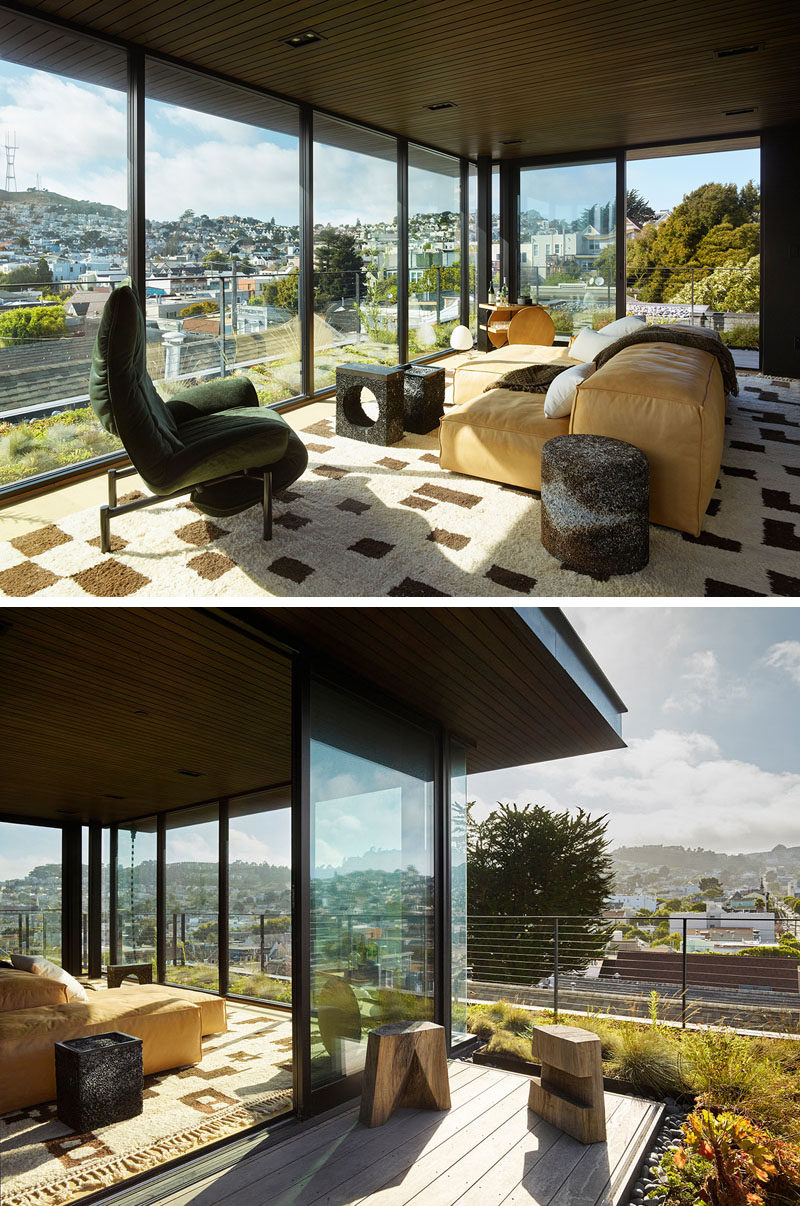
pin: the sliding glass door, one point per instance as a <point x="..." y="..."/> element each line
<point x="371" y="877"/>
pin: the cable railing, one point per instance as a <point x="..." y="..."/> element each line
<point x="31" y="932"/>
<point x="647" y="967"/>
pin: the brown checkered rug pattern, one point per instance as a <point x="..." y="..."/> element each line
<point x="244" y="1078"/>
<point x="366" y="520"/>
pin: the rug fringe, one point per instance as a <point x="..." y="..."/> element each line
<point x="66" y="1189"/>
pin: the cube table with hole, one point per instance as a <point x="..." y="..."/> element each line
<point x="386" y="383"/>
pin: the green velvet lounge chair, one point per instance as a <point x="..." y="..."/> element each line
<point x="213" y="442"/>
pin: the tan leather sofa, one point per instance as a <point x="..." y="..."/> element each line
<point x="169" y="1030"/>
<point x="169" y="1021"/>
<point x="664" y="398"/>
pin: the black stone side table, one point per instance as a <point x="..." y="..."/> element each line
<point x="386" y="382"/>
<point x="595" y="504"/>
<point x="98" y="1080"/>
<point x="424" y="398"/>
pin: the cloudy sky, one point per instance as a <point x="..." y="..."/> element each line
<point x="713" y="730"/>
<point x="72" y="135"/>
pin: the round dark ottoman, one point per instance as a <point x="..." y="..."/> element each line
<point x="595" y="503"/>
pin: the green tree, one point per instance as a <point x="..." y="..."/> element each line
<point x="525" y="864"/>
<point x="711" y="887"/>
<point x="338" y="263"/>
<point x="638" y="208"/>
<point x="197" y="308"/>
<point x="215" y="259"/>
<point x="677" y="241"/>
<point x="32" y="324"/>
<point x="27" y="274"/>
<point x="729" y="287"/>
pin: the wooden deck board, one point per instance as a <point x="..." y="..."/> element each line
<point x="488" y="1149"/>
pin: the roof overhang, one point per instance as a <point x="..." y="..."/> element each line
<point x="108" y="714"/>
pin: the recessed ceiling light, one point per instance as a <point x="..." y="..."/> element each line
<point x="109" y="795"/>
<point x="511" y="142"/>
<point x="731" y="52"/>
<point x="307" y="38"/>
<point x="736" y="112"/>
<point x="66" y="812"/>
<point x="190" y="774"/>
<point x="141" y="712"/>
<point x="441" y="105"/>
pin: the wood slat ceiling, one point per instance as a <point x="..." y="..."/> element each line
<point x="566" y="77"/>
<point x="480" y="671"/>
<point x="107" y="702"/>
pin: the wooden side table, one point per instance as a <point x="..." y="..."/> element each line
<point x="498" y="321"/>
<point x="117" y="972"/>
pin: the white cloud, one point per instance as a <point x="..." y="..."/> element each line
<point x="702" y="685"/>
<point x="675" y="788"/>
<point x="72" y="135"/>
<point x="785" y="656"/>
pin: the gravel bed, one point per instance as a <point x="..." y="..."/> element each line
<point x="649" y="1187"/>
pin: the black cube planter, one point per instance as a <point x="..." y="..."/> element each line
<point x="423" y="401"/>
<point x="98" y="1080"/>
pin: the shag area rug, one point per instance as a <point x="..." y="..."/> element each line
<point x="244" y="1078"/>
<point x="373" y="521"/>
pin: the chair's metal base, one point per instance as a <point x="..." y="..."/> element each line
<point x="113" y="508"/>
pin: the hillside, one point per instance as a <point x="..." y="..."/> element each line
<point x="59" y="201"/>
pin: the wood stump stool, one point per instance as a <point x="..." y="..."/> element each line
<point x="595" y="504"/>
<point x="406" y="1066"/>
<point x="569" y="1093"/>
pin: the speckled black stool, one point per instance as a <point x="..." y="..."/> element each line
<point x="424" y="398"/>
<point x="386" y="383"/>
<point x="98" y="1080"/>
<point x="595" y="504"/>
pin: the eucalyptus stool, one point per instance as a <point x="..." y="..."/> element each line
<point x="595" y="504"/>
<point x="386" y="383"/>
<point x="406" y="1066"/>
<point x="569" y="1092"/>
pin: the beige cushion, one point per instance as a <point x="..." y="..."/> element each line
<point x="669" y="401"/>
<point x="479" y="374"/>
<point x="212" y="1008"/>
<point x="498" y="436"/>
<point x="22" y="990"/>
<point x="43" y="967"/>
<point x="169" y="1030"/>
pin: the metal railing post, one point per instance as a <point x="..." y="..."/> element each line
<point x="44" y="934"/>
<point x="263" y="959"/>
<point x="683" y="977"/>
<point x="174" y="939"/>
<point x="692" y="296"/>
<point x="183" y="939"/>
<point x="555" y="968"/>
<point x="19" y="932"/>
<point x="27" y="933"/>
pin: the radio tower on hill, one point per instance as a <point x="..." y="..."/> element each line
<point x="11" y="151"/>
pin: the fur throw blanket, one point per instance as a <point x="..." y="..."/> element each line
<point x="530" y="379"/>
<point x="690" y="337"/>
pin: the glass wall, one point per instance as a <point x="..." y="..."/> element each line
<point x="192" y="897"/>
<point x="458" y="892"/>
<point x="472" y="218"/>
<point x="30" y="890"/>
<point x="260" y="895"/>
<point x="434" y="249"/>
<point x="567" y="242"/>
<point x="355" y="247"/>
<point x="63" y="243"/>
<point x="372" y="942"/>
<point x="222" y="235"/>
<point x="136" y="892"/>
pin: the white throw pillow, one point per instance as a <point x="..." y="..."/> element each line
<point x="589" y="343"/>
<point x="43" y="967"/>
<point x="561" y="391"/>
<point x="623" y="326"/>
